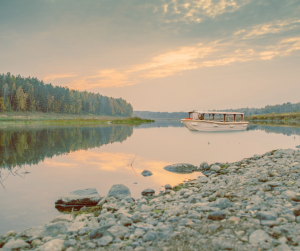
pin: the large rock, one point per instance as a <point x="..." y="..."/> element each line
<point x="215" y="168"/>
<point x="148" y="192"/>
<point x="104" y="241"/>
<point x="221" y="203"/>
<point x="119" y="191"/>
<point x="146" y="173"/>
<point x="181" y="168"/>
<point x="54" y="245"/>
<point x="258" y="237"/>
<point x="49" y="229"/>
<point x="218" y="215"/>
<point x="98" y="232"/>
<point x="267" y="215"/>
<point x="76" y="226"/>
<point x="118" y="231"/>
<point x="88" y="197"/>
<point x="64" y="217"/>
<point x="16" y="244"/>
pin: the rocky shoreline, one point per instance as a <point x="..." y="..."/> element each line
<point x="252" y="204"/>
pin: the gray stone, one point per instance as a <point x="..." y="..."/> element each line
<point x="215" y="168"/>
<point x="119" y="191"/>
<point x="146" y="173"/>
<point x="203" y="179"/>
<point x="15" y="244"/>
<point x="283" y="247"/>
<point x="204" y="166"/>
<point x="181" y="168"/>
<point x="84" y="231"/>
<point x="274" y="183"/>
<point x="266" y="215"/>
<point x="168" y="187"/>
<point x="9" y="234"/>
<point x="269" y="223"/>
<point x="88" y="197"/>
<point x="221" y="203"/>
<point x="98" y="232"/>
<point x="258" y="237"/>
<point x="70" y="249"/>
<point x="91" y="245"/>
<point x="63" y="217"/>
<point x="126" y="221"/>
<point x="49" y="229"/>
<point x="104" y="241"/>
<point x="148" y="192"/>
<point x="118" y="231"/>
<point x="70" y="243"/>
<point x="218" y="215"/>
<point x="110" y="221"/>
<point x="139" y="232"/>
<point x="149" y="236"/>
<point x="76" y="226"/>
<point x="146" y="208"/>
<point x="263" y="178"/>
<point x="37" y="242"/>
<point x="54" y="245"/>
<point x="137" y="217"/>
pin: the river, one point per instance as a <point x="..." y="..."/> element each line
<point x="41" y="163"/>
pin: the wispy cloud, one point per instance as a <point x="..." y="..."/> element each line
<point x="55" y="76"/>
<point x="272" y="27"/>
<point x="188" y="58"/>
<point x="195" y="11"/>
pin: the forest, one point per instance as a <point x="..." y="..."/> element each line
<point x="30" y="94"/>
<point x="284" y="108"/>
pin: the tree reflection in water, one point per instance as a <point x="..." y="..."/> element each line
<point x="29" y="146"/>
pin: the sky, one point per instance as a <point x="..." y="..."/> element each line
<point x="159" y="55"/>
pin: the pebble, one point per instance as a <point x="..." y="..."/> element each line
<point x="218" y="215"/>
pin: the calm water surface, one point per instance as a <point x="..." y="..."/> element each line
<point x="39" y="164"/>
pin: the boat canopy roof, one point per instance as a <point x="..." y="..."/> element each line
<point x="215" y="112"/>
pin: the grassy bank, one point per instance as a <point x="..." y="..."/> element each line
<point x="276" y="118"/>
<point x="58" y="118"/>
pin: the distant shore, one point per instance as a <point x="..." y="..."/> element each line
<point x="61" y="118"/>
<point x="275" y="118"/>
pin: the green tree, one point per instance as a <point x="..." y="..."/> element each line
<point x="21" y="98"/>
<point x="30" y="98"/>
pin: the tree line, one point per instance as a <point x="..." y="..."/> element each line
<point x="30" y="94"/>
<point x="284" y="108"/>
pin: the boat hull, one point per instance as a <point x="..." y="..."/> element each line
<point x="210" y="126"/>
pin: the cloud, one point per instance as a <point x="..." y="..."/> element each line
<point x="272" y="27"/>
<point x="104" y="78"/>
<point x="55" y="76"/>
<point x="188" y="58"/>
<point x="195" y="11"/>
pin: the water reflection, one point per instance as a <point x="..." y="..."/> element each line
<point x="26" y="146"/>
<point x="279" y="129"/>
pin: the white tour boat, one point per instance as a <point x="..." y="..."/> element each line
<point x="227" y="121"/>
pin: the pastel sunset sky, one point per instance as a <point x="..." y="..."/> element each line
<point x="159" y="55"/>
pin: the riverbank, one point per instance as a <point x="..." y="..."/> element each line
<point x="276" y="118"/>
<point x="252" y="204"/>
<point x="59" y="118"/>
